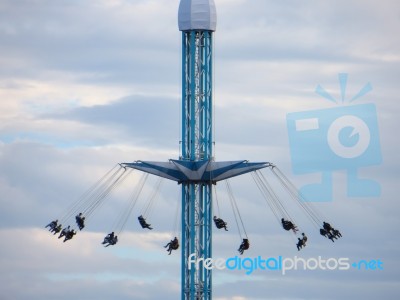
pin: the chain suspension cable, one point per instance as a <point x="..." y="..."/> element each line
<point x="265" y="194"/>
<point x="273" y="195"/>
<point x="297" y="197"/>
<point x="74" y="205"/>
<point x="126" y="212"/>
<point x="148" y="207"/>
<point x="234" y="212"/>
<point x="103" y="195"/>
<point x="85" y="199"/>
<point x="177" y="219"/>
<point x="276" y="205"/>
<point x="235" y="207"/>
<point x="216" y="200"/>
<point x="94" y="197"/>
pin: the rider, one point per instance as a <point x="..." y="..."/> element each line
<point x="327" y="234"/>
<point x="64" y="232"/>
<point x="299" y="244"/>
<point x="244" y="246"/>
<point x="172" y="245"/>
<point x="220" y="223"/>
<point x="52" y="225"/>
<point x="331" y="237"/>
<point x="304" y="239"/>
<point x="69" y="235"/>
<point x="336" y="233"/>
<point x="327" y="226"/>
<point x="288" y="225"/>
<point x="143" y="222"/>
<point x="80" y="220"/>
<point x="56" y="229"/>
<point x="111" y="239"/>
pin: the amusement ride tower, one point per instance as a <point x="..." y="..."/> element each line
<point x="196" y="170"/>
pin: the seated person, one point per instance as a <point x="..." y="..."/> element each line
<point x="336" y="233"/>
<point x="110" y="240"/>
<point x="64" y="232"/>
<point x="52" y="225"/>
<point x="57" y="229"/>
<point x="327" y="226"/>
<point x="299" y="244"/>
<point x="327" y="234"/>
<point x="220" y="223"/>
<point x="143" y="223"/>
<point x="304" y="239"/>
<point x="244" y="246"/>
<point x="69" y="235"/>
<point x="288" y="225"/>
<point x="331" y="237"/>
<point x="172" y="245"/>
<point x="80" y="220"/>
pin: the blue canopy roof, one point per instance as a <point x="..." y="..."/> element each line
<point x="197" y="171"/>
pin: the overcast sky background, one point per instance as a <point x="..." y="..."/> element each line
<point x="87" y="84"/>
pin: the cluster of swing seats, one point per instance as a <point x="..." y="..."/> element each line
<point x="114" y="177"/>
<point x="67" y="233"/>
<point x="329" y="232"/>
<point x="109" y="240"/>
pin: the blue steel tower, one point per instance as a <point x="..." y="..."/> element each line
<point x="195" y="170"/>
<point x="197" y="20"/>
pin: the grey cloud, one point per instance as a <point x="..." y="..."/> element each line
<point x="85" y="38"/>
<point x="148" y="120"/>
<point x="48" y="269"/>
<point x="317" y="31"/>
<point x="271" y="55"/>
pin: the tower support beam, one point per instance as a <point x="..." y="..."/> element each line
<point x="196" y="169"/>
<point x="196" y="147"/>
<point x="197" y="95"/>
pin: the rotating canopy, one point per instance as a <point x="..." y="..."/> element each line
<point x="197" y="171"/>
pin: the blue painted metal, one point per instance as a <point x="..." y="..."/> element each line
<point x="204" y="171"/>
<point x="196" y="169"/>
<point x="184" y="95"/>
<point x="191" y="97"/>
<point x="196" y="228"/>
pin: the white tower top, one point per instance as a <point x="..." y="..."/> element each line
<point x="197" y="15"/>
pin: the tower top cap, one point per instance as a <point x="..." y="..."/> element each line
<point x="197" y="15"/>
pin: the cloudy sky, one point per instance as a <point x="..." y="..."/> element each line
<point x="85" y="85"/>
